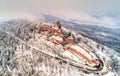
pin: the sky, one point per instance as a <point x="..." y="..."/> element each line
<point x="90" y="11"/>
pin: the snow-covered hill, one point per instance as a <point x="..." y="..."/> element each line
<point x="106" y="36"/>
<point x="25" y="53"/>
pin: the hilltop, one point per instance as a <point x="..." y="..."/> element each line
<point x="24" y="52"/>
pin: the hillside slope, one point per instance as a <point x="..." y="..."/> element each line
<point x="25" y="53"/>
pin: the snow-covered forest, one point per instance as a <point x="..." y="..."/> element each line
<point x="24" y="53"/>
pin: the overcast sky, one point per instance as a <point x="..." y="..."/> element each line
<point x="99" y="11"/>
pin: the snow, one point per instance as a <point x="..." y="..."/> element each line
<point x="109" y="74"/>
<point x="102" y="33"/>
<point x="28" y="60"/>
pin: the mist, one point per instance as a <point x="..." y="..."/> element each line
<point x="105" y="12"/>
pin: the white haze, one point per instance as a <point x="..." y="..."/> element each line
<point x="89" y="11"/>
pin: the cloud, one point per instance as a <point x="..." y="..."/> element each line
<point x="92" y="11"/>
